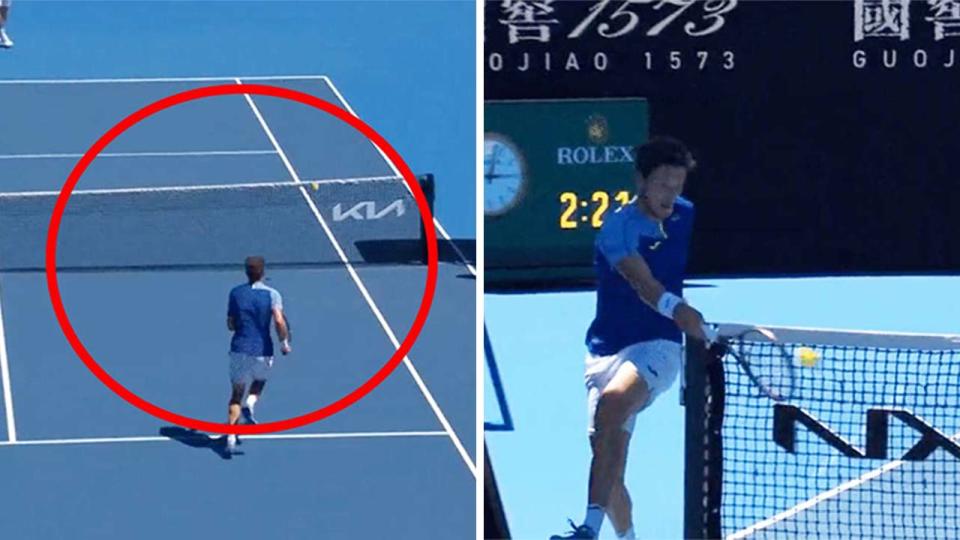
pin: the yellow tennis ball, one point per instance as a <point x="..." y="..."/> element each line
<point x="808" y="357"/>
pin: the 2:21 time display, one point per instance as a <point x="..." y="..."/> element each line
<point x="577" y="211"/>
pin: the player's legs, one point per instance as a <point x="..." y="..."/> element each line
<point x="233" y="413"/>
<point x="612" y="384"/>
<point x="241" y="373"/>
<point x="259" y="373"/>
<point x="619" y="386"/>
<point x="241" y="366"/>
<point x="619" y="511"/>
<point x="624" y="395"/>
<point x="657" y="364"/>
<point x="5" y="40"/>
<point x="620" y="507"/>
<point x="236" y="396"/>
<point x="256" y="388"/>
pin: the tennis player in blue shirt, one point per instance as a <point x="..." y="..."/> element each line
<point x="252" y="307"/>
<point x="634" y="343"/>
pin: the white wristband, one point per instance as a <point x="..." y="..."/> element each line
<point x="668" y="303"/>
<point x="711" y="333"/>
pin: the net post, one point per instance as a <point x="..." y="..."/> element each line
<point x="428" y="186"/>
<point x="694" y="402"/>
<point x="703" y="412"/>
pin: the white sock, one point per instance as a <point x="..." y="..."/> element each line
<point x="627" y="534"/>
<point x="594" y="517"/>
<point x="251" y="401"/>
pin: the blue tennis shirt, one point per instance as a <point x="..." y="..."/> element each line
<point x="251" y="306"/>
<point x="622" y="318"/>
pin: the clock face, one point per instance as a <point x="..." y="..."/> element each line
<point x="504" y="175"/>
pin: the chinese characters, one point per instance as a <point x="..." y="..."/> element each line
<point x="891" y="19"/>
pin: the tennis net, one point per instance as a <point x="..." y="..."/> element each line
<point x="865" y="448"/>
<point x="374" y="220"/>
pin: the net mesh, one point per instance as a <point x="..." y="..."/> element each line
<point x="756" y="488"/>
<point x="374" y="220"/>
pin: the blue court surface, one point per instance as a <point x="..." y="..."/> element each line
<point x="83" y="463"/>
<point x="541" y="465"/>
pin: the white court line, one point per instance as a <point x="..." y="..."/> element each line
<point x="265" y="437"/>
<point x="463" y="259"/>
<point x="363" y="289"/>
<point x="5" y="381"/>
<point x="393" y="167"/>
<point x="410" y="367"/>
<point x="202" y="153"/>
<point x="136" y="80"/>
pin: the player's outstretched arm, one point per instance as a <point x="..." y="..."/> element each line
<point x="281" y="324"/>
<point x="637" y="273"/>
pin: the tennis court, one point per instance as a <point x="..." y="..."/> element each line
<point x="151" y="243"/>
<point x="541" y="465"/>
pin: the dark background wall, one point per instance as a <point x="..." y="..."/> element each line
<point x="815" y="157"/>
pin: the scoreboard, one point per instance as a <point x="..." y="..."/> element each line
<point x="552" y="169"/>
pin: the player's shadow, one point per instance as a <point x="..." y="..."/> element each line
<point x="196" y="439"/>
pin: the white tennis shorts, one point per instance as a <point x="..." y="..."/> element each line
<point x="657" y="361"/>
<point x="245" y="369"/>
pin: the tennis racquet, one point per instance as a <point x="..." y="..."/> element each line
<point x="763" y="358"/>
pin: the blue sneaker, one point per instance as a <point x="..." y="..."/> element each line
<point x="247" y="413"/>
<point x="578" y="532"/>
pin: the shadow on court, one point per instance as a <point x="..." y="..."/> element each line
<point x="196" y="439"/>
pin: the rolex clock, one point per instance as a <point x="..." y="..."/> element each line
<point x="504" y="175"/>
<point x="553" y="169"/>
